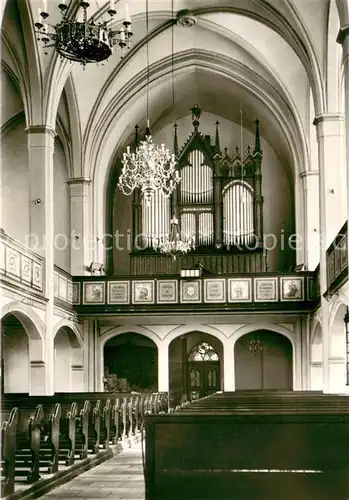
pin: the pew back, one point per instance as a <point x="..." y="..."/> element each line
<point x="216" y="449"/>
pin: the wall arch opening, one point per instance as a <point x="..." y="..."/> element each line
<point x="68" y="355"/>
<point x="130" y="363"/>
<point x="196" y="366"/>
<point x="263" y="361"/>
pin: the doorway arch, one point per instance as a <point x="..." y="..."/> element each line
<point x="196" y="366"/>
<point x="130" y="363"/>
<point x="263" y="361"/>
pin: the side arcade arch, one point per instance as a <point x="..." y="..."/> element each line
<point x="23" y="368"/>
<point x="129" y="359"/>
<point x="68" y="358"/>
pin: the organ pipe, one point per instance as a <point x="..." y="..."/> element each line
<point x="156" y="218"/>
<point x="238" y="214"/>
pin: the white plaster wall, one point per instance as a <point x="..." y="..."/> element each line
<point x="15" y="182"/>
<point x="62" y="240"/>
<point x="16" y="361"/>
<point x="11" y="102"/>
<point x="62" y="368"/>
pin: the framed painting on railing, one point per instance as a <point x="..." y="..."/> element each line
<point x="239" y="290"/>
<point x="93" y="292"/>
<point x="118" y="292"/>
<point x="331" y="267"/>
<point x="266" y="289"/>
<point x="167" y="291"/>
<point x="143" y="292"/>
<point x="292" y="288"/>
<point x="214" y="290"/>
<point x="344" y="253"/>
<point x="76" y="293"/>
<point x="191" y="291"/>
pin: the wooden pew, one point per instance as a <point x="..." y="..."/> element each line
<point x="59" y="427"/>
<point x="237" y="446"/>
<point x="8" y="452"/>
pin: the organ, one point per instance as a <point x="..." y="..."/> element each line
<point x="218" y="202"/>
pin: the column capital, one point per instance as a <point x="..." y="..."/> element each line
<point x="328" y="117"/>
<point x="309" y="173"/>
<point x="79" y="180"/>
<point x="342" y="34"/>
<point x="329" y="125"/>
<point x="41" y="129"/>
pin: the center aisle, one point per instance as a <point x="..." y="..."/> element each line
<point x="119" y="478"/>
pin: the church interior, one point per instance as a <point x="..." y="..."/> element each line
<point x="174" y="227"/>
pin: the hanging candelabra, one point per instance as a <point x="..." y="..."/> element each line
<point x="83" y="40"/>
<point x="255" y="346"/>
<point x="174" y="244"/>
<point x="150" y="167"/>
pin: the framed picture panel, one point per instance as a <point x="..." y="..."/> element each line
<point x="266" y="289"/>
<point x="239" y="290"/>
<point x="167" y="291"/>
<point x="118" y="292"/>
<point x="93" y="292"/>
<point x="76" y="293"/>
<point x="143" y="292"/>
<point x="191" y="291"/>
<point x="214" y="290"/>
<point x="292" y="288"/>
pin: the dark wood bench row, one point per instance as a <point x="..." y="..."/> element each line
<point x="229" y="446"/>
<point x="40" y="432"/>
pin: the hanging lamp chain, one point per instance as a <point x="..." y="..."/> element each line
<point x="148" y="132"/>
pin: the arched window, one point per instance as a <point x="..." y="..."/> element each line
<point x="238" y="223"/>
<point x="155" y="218"/>
<point x="203" y="352"/>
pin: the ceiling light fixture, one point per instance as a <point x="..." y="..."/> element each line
<point x="83" y="40"/>
<point x="150" y="167"/>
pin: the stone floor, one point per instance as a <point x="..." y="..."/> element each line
<point x="119" y="478"/>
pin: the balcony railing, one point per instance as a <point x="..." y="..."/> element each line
<point x="337" y="261"/>
<point x="19" y="266"/>
<point x="63" y="288"/>
<point x="260" y="291"/>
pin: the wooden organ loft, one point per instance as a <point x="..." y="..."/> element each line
<point x="218" y="201"/>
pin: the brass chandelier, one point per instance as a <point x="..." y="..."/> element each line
<point x="149" y="168"/>
<point x="83" y="40"/>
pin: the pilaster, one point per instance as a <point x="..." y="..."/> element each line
<point x="40" y="140"/>
<point x="311" y="243"/>
<point x="228" y="365"/>
<point x="343" y="39"/>
<point x="163" y="367"/>
<point x="80" y="256"/>
<point x="329" y="128"/>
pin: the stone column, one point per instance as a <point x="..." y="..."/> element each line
<point x="163" y="367"/>
<point x="228" y="365"/>
<point x="343" y="39"/>
<point x="184" y="359"/>
<point x="329" y="128"/>
<point x="41" y="220"/>
<point x="311" y="242"/>
<point x="80" y="256"/>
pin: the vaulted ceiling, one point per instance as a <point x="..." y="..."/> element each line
<point x="274" y="56"/>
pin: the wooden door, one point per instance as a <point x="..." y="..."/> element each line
<point x="203" y="371"/>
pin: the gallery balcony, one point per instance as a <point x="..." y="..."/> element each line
<point x="103" y="295"/>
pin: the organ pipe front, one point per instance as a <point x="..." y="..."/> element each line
<point x="218" y="201"/>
